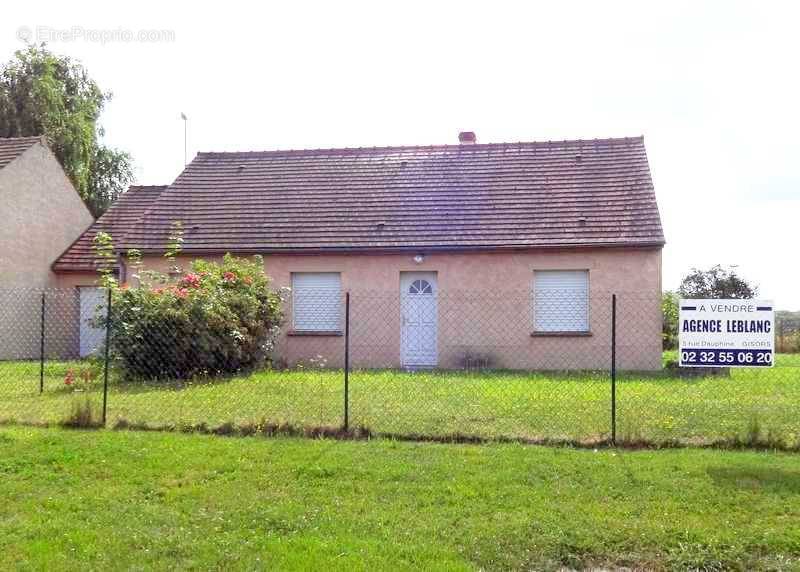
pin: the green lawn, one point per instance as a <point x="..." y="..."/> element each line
<point x="114" y="500"/>
<point x="537" y="406"/>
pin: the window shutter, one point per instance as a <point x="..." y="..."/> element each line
<point x="316" y="301"/>
<point x="561" y="300"/>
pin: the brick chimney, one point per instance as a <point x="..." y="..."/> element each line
<point x="467" y="138"/>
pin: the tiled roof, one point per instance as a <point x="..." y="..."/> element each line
<point x="117" y="221"/>
<point x="450" y="197"/>
<point x="11" y="148"/>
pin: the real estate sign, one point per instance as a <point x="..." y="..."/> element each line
<point x="726" y="333"/>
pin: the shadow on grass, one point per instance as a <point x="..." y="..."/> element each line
<point x="133" y="386"/>
<point x="266" y="428"/>
<point x="774" y="480"/>
<point x="176" y="385"/>
<point x="496" y="376"/>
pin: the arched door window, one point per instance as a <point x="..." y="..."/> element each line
<point x="420" y="287"/>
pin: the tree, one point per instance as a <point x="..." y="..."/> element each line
<point x="111" y="174"/>
<point x="716" y="282"/>
<point x="45" y="94"/>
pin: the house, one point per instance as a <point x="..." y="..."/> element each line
<point x="501" y="254"/>
<point x="41" y="215"/>
<point x="41" y="212"/>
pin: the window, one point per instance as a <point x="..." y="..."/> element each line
<point x="420" y="287"/>
<point x="561" y="300"/>
<point x="316" y="301"/>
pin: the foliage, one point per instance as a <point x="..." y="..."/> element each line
<point x="716" y="282"/>
<point x="669" y="320"/>
<point x="787" y="331"/>
<point x="788" y="342"/>
<point x="217" y="318"/>
<point x="174" y="243"/>
<point x="104" y="249"/>
<point x="111" y="173"/>
<point x="45" y="94"/>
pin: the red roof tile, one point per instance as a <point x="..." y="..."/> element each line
<point x="117" y="221"/>
<point x="13" y="147"/>
<point x="482" y="196"/>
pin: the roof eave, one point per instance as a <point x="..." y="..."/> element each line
<point x="404" y="249"/>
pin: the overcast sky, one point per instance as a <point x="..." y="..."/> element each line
<point x="713" y="86"/>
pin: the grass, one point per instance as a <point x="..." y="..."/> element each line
<point x="142" y="500"/>
<point x="652" y="408"/>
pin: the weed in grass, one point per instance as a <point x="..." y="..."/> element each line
<point x="631" y="434"/>
<point x="82" y="415"/>
<point x="753" y="435"/>
<point x="227" y="428"/>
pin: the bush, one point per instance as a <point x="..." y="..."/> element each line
<point x="669" y="321"/>
<point x="215" y="319"/>
<point x="787" y="343"/>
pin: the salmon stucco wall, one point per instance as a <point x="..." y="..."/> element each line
<point x="484" y="308"/>
<point x="41" y="216"/>
<point x="62" y="318"/>
<point x="64" y="341"/>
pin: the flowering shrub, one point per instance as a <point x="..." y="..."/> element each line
<point x="215" y="319"/>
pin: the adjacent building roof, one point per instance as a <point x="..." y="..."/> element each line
<point x="450" y="197"/>
<point x="13" y="147"/>
<point x="117" y="221"/>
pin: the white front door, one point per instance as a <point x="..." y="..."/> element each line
<point x="91" y="337"/>
<point x="418" y="336"/>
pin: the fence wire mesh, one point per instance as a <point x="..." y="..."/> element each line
<point x="421" y="363"/>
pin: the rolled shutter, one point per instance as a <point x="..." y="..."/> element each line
<point x="561" y="300"/>
<point x="316" y="301"/>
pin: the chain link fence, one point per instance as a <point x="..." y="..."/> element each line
<point x="787" y="335"/>
<point x="557" y="367"/>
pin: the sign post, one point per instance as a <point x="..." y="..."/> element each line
<point x="726" y="333"/>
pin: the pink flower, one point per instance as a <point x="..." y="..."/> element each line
<point x="192" y="280"/>
<point x="181" y="292"/>
<point x="229" y="277"/>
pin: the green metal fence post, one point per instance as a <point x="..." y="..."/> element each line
<point x="41" y="350"/>
<point x="347" y="361"/>
<point x="613" y="369"/>
<point x="105" y="366"/>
